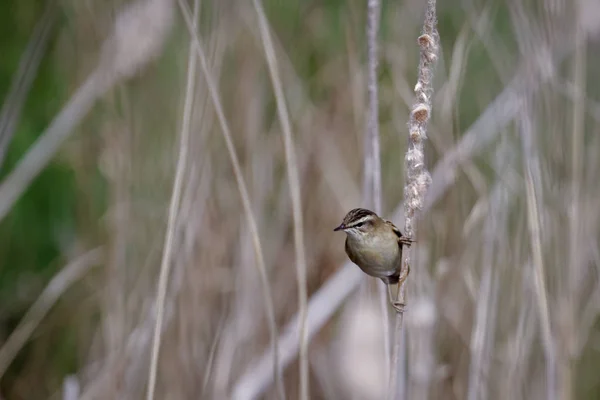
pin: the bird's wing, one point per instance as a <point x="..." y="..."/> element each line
<point x="402" y="240"/>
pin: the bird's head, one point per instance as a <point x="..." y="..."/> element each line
<point x="359" y="222"/>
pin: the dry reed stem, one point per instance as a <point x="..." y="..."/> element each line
<point x="494" y="228"/>
<point x="71" y="388"/>
<point x="165" y="265"/>
<point x="481" y="345"/>
<point x="23" y="79"/>
<point x="323" y="304"/>
<point x="122" y="56"/>
<point x="492" y="121"/>
<point x="496" y="253"/>
<point x="571" y="273"/>
<point x="532" y="188"/>
<point x="417" y="176"/>
<point x="332" y="163"/>
<point x="67" y="276"/>
<point x="500" y="112"/>
<point x="522" y="339"/>
<point x="326" y="300"/>
<point x="260" y="263"/>
<point x="212" y="353"/>
<point x="372" y="163"/>
<point x="294" y="184"/>
<point x="134" y="350"/>
<point x="46" y="146"/>
<point x="372" y="193"/>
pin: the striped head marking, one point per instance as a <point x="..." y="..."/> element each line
<point x="356" y="219"/>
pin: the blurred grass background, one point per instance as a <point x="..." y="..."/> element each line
<point x="111" y="182"/>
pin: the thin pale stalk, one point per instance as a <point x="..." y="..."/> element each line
<point x="211" y="355"/>
<point x="522" y="340"/>
<point x="294" y="184"/>
<point x="71" y="388"/>
<point x="118" y="61"/>
<point x="165" y="265"/>
<point x="245" y="197"/>
<point x="533" y="219"/>
<point x="572" y="272"/>
<point x="23" y="80"/>
<point x="67" y="276"/>
<point x="372" y="160"/>
<point x="495" y="226"/>
<point x="500" y="112"/>
<point x="322" y="306"/>
<point x="483" y="330"/>
<point x="46" y="146"/>
<point x="494" y="119"/>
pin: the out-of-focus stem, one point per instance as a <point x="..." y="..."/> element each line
<point x="573" y="269"/>
<point x="245" y="197"/>
<point x="23" y="79"/>
<point x="67" y="276"/>
<point x="372" y="160"/>
<point x="294" y="183"/>
<point x="169" y="243"/>
<point x="532" y="179"/>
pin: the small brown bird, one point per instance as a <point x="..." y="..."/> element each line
<point x="375" y="245"/>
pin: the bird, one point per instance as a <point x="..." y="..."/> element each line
<point x="375" y="246"/>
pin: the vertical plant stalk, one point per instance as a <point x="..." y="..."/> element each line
<point x="483" y="332"/>
<point x="23" y="79"/>
<point x="294" y="182"/>
<point x="495" y="226"/>
<point x="71" y="388"/>
<point x="122" y="56"/>
<point x="572" y="272"/>
<point x="372" y="162"/>
<point x="65" y="278"/>
<point x="417" y="176"/>
<point x="532" y="181"/>
<point x="256" y="378"/>
<point x="165" y="265"/>
<point x="48" y="143"/>
<point x="331" y="296"/>
<point x="245" y="197"/>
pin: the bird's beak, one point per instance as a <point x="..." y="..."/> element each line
<point x="339" y="228"/>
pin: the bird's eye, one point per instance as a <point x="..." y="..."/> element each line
<point x="359" y="225"/>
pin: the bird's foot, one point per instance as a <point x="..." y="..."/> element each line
<point x="399" y="307"/>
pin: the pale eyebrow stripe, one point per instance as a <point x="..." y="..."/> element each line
<point x="359" y="221"/>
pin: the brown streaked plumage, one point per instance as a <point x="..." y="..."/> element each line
<point x="375" y="245"/>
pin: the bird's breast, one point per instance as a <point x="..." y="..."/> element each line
<point x="376" y="257"/>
